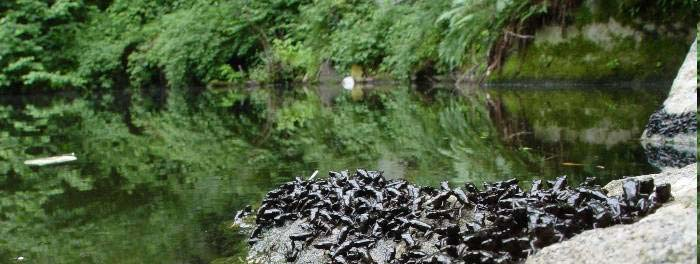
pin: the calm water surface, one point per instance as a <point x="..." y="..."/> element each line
<point x="160" y="173"/>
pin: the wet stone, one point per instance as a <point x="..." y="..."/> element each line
<point x="362" y="217"/>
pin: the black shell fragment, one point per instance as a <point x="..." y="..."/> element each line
<point x="669" y="125"/>
<point x="507" y="225"/>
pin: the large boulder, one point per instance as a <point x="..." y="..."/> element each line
<point x="667" y="236"/>
<point x="676" y="121"/>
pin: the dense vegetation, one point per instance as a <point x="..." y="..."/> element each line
<point x="102" y="44"/>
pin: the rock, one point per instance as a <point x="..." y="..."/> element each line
<point x="676" y="121"/>
<point x="327" y="74"/>
<point x="667" y="236"/>
<point x="348" y="83"/>
<point x="683" y="95"/>
<point x="346" y="218"/>
<point x="357" y="72"/>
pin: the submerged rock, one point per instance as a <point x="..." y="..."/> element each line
<point x="366" y="218"/>
<point x="667" y="236"/>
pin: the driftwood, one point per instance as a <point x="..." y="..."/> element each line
<point x="51" y="160"/>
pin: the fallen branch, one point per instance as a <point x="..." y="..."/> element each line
<point x="511" y="33"/>
<point x="51" y="160"/>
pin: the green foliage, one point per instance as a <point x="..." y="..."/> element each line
<point x="227" y="74"/>
<point x="664" y="11"/>
<point x="190" y="43"/>
<point x="358" y="38"/>
<point x="33" y="37"/>
<point x="114" y="44"/>
<point x="295" y="116"/>
<point x="296" y="60"/>
<point x="475" y="26"/>
<point x="413" y="38"/>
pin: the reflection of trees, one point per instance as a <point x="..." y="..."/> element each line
<point x="477" y="150"/>
<point x="145" y="165"/>
<point x="513" y="131"/>
<point x="146" y="188"/>
<point x="593" y="127"/>
<point x="123" y="185"/>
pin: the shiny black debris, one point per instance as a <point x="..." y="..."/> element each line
<point x="669" y="125"/>
<point x="506" y="223"/>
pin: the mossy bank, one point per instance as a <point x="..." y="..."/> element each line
<point x="601" y="45"/>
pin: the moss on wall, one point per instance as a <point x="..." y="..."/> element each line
<point x="606" y="40"/>
<point x="579" y="58"/>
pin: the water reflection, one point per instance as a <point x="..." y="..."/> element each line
<point x="579" y="131"/>
<point x="158" y="176"/>
<point x="670" y="156"/>
<point x="356" y="93"/>
<point x="392" y="166"/>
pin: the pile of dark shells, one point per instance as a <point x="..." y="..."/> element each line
<point x="507" y="223"/>
<point x="668" y="156"/>
<point x="669" y="125"/>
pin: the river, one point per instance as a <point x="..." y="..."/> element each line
<point x="160" y="172"/>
